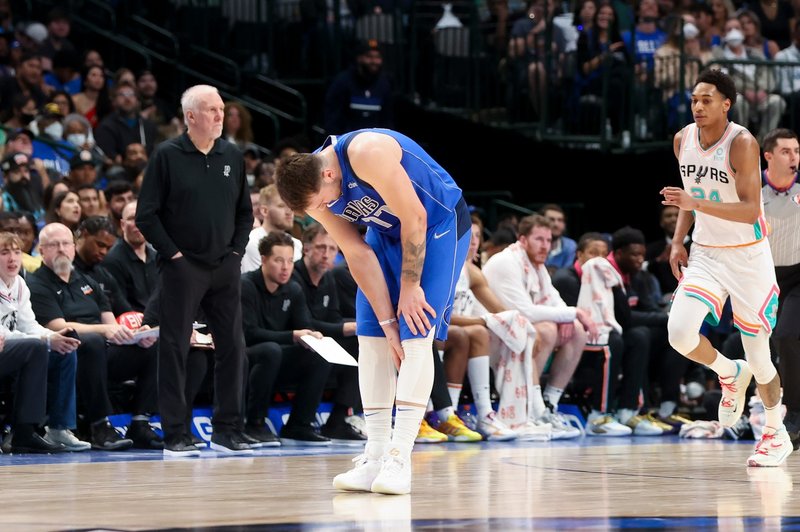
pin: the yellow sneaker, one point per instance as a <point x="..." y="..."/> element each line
<point x="457" y="431"/>
<point x="428" y="434"/>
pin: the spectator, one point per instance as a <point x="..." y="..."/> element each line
<point x="562" y="247"/>
<point x="82" y="171"/>
<point x="65" y="209"/>
<point x="93" y="100"/>
<point x="62" y="297"/>
<point x="94" y="238"/>
<point x="277" y="216"/>
<point x="519" y="278"/>
<point x="313" y="274"/>
<point x="118" y="193"/>
<point x="275" y="318"/>
<point x="20" y="193"/>
<point x="156" y="108"/>
<point x="237" y="127"/>
<point x="361" y="96"/>
<point x="23" y="336"/>
<point x="49" y="146"/>
<point x="27" y="80"/>
<point x="89" y="198"/>
<point x="125" y="125"/>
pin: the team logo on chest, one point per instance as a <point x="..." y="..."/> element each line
<point x="369" y="210"/>
<point x="227" y="170"/>
<point x="700" y="172"/>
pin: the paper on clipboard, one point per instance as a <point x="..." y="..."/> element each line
<point x="330" y="350"/>
<point x="141" y="334"/>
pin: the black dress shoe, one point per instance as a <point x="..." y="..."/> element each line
<point x="343" y="432"/>
<point x="106" y="438"/>
<point x="302" y="435"/>
<point x="230" y="442"/>
<point x="33" y="443"/>
<point x="143" y="436"/>
<point x="262" y="435"/>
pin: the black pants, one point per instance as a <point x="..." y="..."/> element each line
<point x="185" y="287"/>
<point x="347" y="393"/>
<point x="634" y="366"/>
<point x="278" y="366"/>
<point x="440" y="397"/>
<point x="667" y="366"/>
<point x="786" y="336"/>
<point x="92" y="378"/>
<point x="99" y="362"/>
<point x="28" y="360"/>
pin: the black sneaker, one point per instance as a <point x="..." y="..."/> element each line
<point x="343" y="433"/>
<point x="197" y="441"/>
<point x="33" y="443"/>
<point x="106" y="438"/>
<point x="302" y="435"/>
<point x="262" y="435"/>
<point x="181" y="446"/>
<point x="230" y="443"/>
<point x="143" y="436"/>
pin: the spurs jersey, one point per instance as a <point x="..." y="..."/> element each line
<point x="707" y="174"/>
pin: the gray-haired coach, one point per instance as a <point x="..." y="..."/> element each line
<point x="195" y="209"/>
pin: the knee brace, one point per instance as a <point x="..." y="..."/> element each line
<point x="415" y="380"/>
<point x="377" y="377"/>
<point x="756" y="350"/>
<point x="685" y="318"/>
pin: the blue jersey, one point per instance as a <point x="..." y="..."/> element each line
<point x="360" y="203"/>
<point x="447" y="236"/>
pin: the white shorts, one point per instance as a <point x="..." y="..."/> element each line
<point x="746" y="274"/>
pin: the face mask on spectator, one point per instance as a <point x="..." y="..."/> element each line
<point x="690" y="31"/>
<point x="77" y="139"/>
<point x="55" y="130"/>
<point x="734" y="37"/>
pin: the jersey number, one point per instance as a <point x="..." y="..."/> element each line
<point x="699" y="193"/>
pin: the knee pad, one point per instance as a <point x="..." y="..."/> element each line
<point x="756" y="350"/>
<point x="377" y="377"/>
<point x="415" y="380"/>
<point x="685" y="318"/>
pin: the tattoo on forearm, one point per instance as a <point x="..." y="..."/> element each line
<point x="413" y="259"/>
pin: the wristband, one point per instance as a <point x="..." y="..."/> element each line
<point x="387" y="322"/>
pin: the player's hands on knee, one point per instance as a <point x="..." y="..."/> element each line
<point x="392" y="332"/>
<point x="412" y="307"/>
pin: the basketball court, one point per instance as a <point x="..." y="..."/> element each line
<point x="588" y="484"/>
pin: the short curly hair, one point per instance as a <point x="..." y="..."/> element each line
<point x="722" y="81"/>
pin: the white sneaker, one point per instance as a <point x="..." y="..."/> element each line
<point x="394" y="477"/>
<point x="607" y="426"/>
<point x="734" y="390"/>
<point x="561" y="428"/>
<point x="534" y="430"/>
<point x="70" y="441"/>
<point x="367" y="466"/>
<point x="642" y="426"/>
<point x="772" y="450"/>
<point x="493" y="429"/>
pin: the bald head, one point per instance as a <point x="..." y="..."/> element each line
<point x="57" y="245"/>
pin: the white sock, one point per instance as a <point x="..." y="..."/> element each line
<point x="594" y="414"/>
<point x="379" y="425"/>
<point x="667" y="408"/>
<point x="407" y="419"/>
<point x="478" y="371"/>
<point x="454" y="390"/>
<point x="536" y="404"/>
<point x="552" y="395"/>
<point x="724" y="367"/>
<point x="773" y="417"/>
